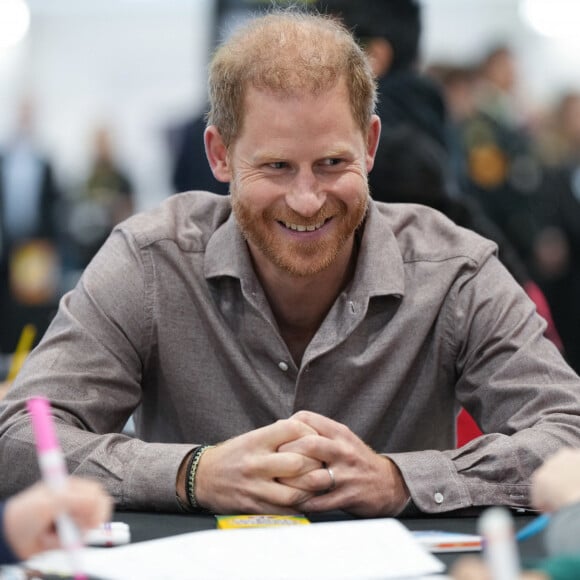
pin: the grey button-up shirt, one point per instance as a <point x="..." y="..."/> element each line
<point x="170" y="322"/>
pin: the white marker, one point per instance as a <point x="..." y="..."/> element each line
<point x="109" y="534"/>
<point x="499" y="544"/>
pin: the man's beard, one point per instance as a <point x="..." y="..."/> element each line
<point x="299" y="258"/>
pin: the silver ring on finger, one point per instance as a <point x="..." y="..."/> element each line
<point x="332" y="485"/>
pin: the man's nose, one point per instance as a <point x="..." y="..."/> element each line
<point x="306" y="195"/>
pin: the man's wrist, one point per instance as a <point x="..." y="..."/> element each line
<point x="401" y="496"/>
<point x="181" y="483"/>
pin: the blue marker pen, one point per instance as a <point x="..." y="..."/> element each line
<point x="534" y="527"/>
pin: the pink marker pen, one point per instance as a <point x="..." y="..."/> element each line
<point x="54" y="474"/>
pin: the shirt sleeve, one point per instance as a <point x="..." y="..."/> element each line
<point x="515" y="384"/>
<point x="7" y="556"/>
<point x="90" y="366"/>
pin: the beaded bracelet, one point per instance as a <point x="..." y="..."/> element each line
<point x="192" y="474"/>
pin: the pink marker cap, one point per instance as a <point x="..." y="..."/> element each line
<point x="39" y="409"/>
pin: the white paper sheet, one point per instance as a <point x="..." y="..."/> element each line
<point x="360" y="549"/>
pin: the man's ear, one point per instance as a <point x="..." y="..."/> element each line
<point x="217" y="154"/>
<point x="373" y="136"/>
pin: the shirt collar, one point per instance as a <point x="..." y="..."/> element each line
<point x="379" y="269"/>
<point x="227" y="253"/>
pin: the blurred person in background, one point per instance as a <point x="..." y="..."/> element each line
<point x="104" y="200"/>
<point x="30" y="228"/>
<point x="390" y="33"/>
<point x="559" y="138"/>
<point x="556" y="490"/>
<point x="504" y="174"/>
<point x="190" y="167"/>
<point x="458" y="85"/>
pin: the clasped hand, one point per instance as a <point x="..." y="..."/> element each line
<point x="307" y="463"/>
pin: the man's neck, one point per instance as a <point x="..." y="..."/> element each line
<point x="300" y="304"/>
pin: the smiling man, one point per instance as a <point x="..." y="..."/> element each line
<point x="299" y="189"/>
<point x="295" y="346"/>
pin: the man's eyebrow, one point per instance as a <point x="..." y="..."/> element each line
<point x="268" y="155"/>
<point x="273" y="155"/>
<point x="338" y="151"/>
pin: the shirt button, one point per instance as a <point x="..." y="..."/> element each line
<point x="438" y="497"/>
<point x="282" y="366"/>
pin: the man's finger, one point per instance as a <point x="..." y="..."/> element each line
<point x="288" y="464"/>
<point x="319" y="448"/>
<point x="315" y="481"/>
<point x="280" y="432"/>
<point x="322" y="425"/>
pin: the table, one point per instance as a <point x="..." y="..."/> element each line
<point x="150" y="526"/>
